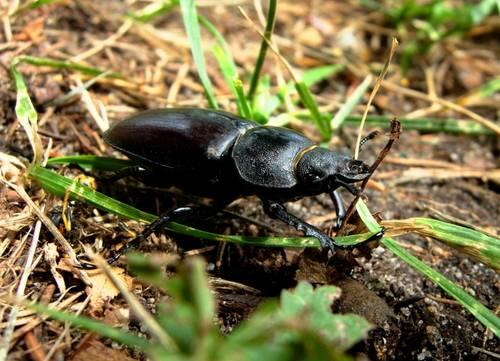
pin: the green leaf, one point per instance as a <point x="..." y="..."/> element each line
<point x="451" y="126"/>
<point x="243" y="105"/>
<point x="342" y="330"/>
<point x="189" y="317"/>
<point x="141" y="266"/>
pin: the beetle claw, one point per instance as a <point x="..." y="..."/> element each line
<point x="325" y="241"/>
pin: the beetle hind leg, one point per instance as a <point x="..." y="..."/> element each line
<point x="277" y="210"/>
<point x="181" y="215"/>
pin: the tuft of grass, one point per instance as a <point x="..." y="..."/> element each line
<point x="422" y="25"/>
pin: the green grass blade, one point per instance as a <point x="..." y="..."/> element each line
<point x="58" y="184"/>
<point x="227" y="66"/>
<point x="482" y="10"/>
<point x="484" y="315"/>
<point x="190" y="19"/>
<point x="26" y="112"/>
<point x="353" y="100"/>
<point x="92" y="162"/>
<point x="320" y="73"/>
<point x="310" y="103"/>
<point x="244" y="107"/>
<point x="265" y="102"/>
<point x="65" y="64"/>
<point x="479" y="245"/>
<point x="433" y="125"/>
<point x="486" y="90"/>
<point x="100" y="328"/>
<point x="271" y="15"/>
<point x="451" y="126"/>
<point x="152" y="10"/>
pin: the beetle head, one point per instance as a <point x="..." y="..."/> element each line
<point x="320" y="168"/>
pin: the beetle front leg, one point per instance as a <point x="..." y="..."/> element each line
<point x="339" y="208"/>
<point x="277" y="210"/>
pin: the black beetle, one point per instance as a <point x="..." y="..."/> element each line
<point x="223" y="157"/>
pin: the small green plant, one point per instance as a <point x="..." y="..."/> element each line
<point x="421" y="25"/>
<point x="300" y="327"/>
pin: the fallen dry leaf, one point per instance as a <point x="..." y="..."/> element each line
<point x="95" y="350"/>
<point x="102" y="289"/>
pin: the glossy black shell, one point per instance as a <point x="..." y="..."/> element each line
<point x="177" y="138"/>
<point x="211" y="153"/>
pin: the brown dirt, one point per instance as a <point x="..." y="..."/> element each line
<point x="415" y="319"/>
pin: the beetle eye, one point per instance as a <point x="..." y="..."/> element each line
<point x="356" y="166"/>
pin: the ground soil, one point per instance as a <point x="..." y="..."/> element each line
<point x="415" y="319"/>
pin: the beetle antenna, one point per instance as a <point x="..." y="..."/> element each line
<point x="368" y="138"/>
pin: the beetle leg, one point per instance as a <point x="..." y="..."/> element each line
<point x="181" y="215"/>
<point x="339" y="207"/>
<point x="277" y="210"/>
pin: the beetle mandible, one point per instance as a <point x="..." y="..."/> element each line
<point x="221" y="156"/>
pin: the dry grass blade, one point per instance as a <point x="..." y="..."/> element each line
<point x="450" y="105"/>
<point x="45" y="220"/>
<point x="481" y="246"/>
<point x="379" y="80"/>
<point x="274" y="49"/>
<point x="415" y="174"/>
<point x="9" y="329"/>
<point x="147" y="320"/>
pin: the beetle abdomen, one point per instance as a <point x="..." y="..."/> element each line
<point x="265" y="156"/>
<point x="183" y="138"/>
